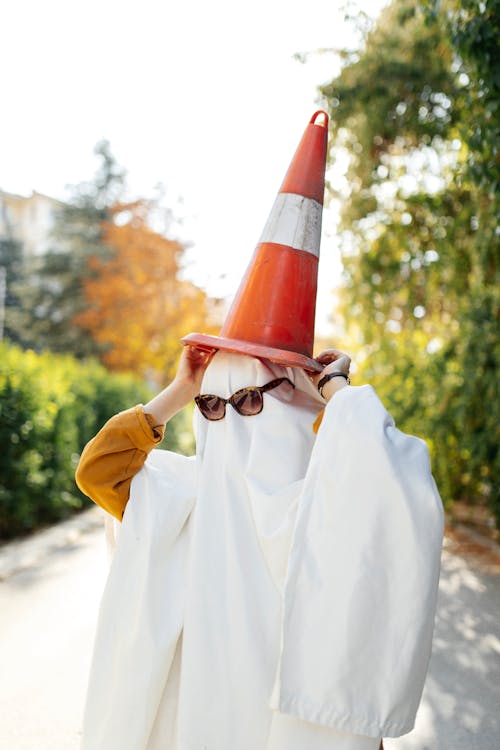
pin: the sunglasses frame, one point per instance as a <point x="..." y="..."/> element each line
<point x="260" y="388"/>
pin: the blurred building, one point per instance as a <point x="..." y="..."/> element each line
<point x="29" y="220"/>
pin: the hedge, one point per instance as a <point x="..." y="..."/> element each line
<point x="50" y="406"/>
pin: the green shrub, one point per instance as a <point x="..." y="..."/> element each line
<point x="50" y="406"/>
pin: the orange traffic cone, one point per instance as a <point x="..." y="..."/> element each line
<point x="272" y="314"/>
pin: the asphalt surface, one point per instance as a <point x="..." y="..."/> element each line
<point x="50" y="586"/>
<point x="460" y="708"/>
<point x="48" y="614"/>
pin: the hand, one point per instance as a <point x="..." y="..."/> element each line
<point x="183" y="388"/>
<point x="191" y="368"/>
<point x="334" y="361"/>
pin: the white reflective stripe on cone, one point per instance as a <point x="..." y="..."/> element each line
<point x="294" y="221"/>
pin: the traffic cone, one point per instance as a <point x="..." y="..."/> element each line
<point x="272" y="314"/>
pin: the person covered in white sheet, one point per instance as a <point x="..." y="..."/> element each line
<point x="275" y="592"/>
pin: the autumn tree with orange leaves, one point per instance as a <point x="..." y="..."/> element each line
<point x="138" y="307"/>
<point x="112" y="286"/>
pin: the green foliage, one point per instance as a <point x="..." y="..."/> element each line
<point x="394" y="97"/>
<point x="50" y="406"/>
<point x="473" y="26"/>
<point x="417" y="114"/>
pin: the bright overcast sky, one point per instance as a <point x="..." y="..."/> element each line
<point x="204" y="97"/>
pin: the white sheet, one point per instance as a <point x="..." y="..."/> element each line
<point x="191" y="634"/>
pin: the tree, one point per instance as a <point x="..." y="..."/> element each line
<point x="137" y="305"/>
<point x="11" y="271"/>
<point x="419" y="298"/>
<point x="112" y="276"/>
<point x="52" y="284"/>
<point x="474" y="29"/>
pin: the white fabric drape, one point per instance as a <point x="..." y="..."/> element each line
<point x="363" y="575"/>
<point x="200" y="617"/>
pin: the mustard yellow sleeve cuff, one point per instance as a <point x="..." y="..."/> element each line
<point x="140" y="428"/>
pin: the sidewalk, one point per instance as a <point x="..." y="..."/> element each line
<point x="21" y="554"/>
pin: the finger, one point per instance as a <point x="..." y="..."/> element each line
<point x="342" y="364"/>
<point x="329" y="355"/>
<point x="205" y="358"/>
<point x="200" y="354"/>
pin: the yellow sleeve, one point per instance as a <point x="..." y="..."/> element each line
<point x="114" y="456"/>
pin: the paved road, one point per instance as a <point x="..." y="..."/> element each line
<point x="47" y="619"/>
<point x="460" y="709"/>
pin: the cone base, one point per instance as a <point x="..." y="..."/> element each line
<point x="237" y="346"/>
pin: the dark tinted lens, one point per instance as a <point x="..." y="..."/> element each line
<point x="212" y="407"/>
<point x="247" y="402"/>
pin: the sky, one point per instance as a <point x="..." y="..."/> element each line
<point x="205" y="98"/>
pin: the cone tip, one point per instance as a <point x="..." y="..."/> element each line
<point x="320" y="113"/>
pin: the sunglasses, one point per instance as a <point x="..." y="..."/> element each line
<point x="248" y="401"/>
